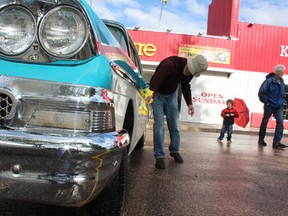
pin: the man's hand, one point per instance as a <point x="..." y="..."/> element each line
<point x="149" y="99"/>
<point x="191" y="110"/>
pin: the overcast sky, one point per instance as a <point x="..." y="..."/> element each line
<point x="185" y="16"/>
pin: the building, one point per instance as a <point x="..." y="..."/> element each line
<point x="240" y="55"/>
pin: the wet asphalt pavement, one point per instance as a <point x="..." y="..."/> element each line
<point x="215" y="179"/>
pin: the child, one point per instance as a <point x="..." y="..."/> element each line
<point x="228" y="115"/>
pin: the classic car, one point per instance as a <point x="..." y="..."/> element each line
<point x="70" y="92"/>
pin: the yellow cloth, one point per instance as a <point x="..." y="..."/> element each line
<point x="147" y="93"/>
<point x="142" y="110"/>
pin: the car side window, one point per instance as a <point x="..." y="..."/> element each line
<point x="128" y="46"/>
<point x="106" y="36"/>
<point x="135" y="58"/>
<point x="119" y="37"/>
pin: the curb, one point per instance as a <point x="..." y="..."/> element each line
<point x="215" y="129"/>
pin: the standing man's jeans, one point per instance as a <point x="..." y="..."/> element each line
<point x="278" y="114"/>
<point x="229" y="129"/>
<point x="168" y="104"/>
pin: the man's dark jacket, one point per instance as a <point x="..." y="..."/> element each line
<point x="272" y="91"/>
<point x="168" y="75"/>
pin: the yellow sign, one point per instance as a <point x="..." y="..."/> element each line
<point x="214" y="55"/>
<point x="148" y="50"/>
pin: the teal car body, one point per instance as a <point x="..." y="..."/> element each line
<point x="70" y="90"/>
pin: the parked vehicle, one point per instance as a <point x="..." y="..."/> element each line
<point x="69" y="99"/>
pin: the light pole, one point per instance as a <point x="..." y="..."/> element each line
<point x="163" y="2"/>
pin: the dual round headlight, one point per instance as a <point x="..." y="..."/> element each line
<point x="62" y="32"/>
<point x="17" y="30"/>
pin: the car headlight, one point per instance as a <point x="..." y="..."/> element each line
<point x="17" y="30"/>
<point x="63" y="31"/>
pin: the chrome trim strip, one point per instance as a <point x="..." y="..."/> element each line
<point x="86" y="143"/>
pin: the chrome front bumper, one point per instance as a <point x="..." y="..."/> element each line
<point x="66" y="171"/>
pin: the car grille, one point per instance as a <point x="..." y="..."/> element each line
<point x="6" y="104"/>
<point x="102" y="121"/>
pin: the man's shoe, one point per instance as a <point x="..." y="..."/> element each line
<point x="177" y="157"/>
<point x="229" y="141"/>
<point x="278" y="145"/>
<point x="219" y="140"/>
<point x="160" y="163"/>
<point x="262" y="143"/>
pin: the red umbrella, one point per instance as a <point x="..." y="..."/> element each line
<point x="243" y="112"/>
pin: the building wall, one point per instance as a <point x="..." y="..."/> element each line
<point x="257" y="49"/>
<point x="211" y="91"/>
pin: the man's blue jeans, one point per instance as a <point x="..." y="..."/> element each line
<point x="229" y="129"/>
<point x="278" y="114"/>
<point x="165" y="104"/>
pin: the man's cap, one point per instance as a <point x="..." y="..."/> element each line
<point x="197" y="65"/>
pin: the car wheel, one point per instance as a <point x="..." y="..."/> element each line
<point x="141" y="141"/>
<point x="111" y="201"/>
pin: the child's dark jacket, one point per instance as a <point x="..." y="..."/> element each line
<point x="229" y="115"/>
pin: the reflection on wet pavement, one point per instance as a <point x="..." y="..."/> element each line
<point x="215" y="179"/>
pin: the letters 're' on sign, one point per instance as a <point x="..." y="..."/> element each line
<point x="148" y="50"/>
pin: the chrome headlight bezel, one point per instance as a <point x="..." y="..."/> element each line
<point x="13" y="41"/>
<point x="71" y="40"/>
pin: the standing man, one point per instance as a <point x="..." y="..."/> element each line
<point x="164" y="83"/>
<point x="272" y="94"/>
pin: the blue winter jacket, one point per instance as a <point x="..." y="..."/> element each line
<point x="272" y="92"/>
